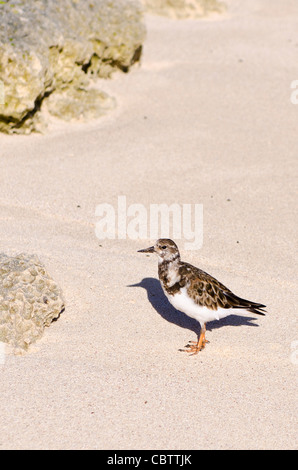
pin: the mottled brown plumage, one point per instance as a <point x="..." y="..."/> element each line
<point x="204" y="289"/>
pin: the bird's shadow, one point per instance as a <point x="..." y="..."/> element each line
<point x="163" y="307"/>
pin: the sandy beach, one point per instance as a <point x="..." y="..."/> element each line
<point x="206" y="118"/>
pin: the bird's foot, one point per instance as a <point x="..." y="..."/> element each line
<point x="193" y="347"/>
<point x="205" y="341"/>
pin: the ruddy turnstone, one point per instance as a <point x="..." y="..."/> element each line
<point x="194" y="292"/>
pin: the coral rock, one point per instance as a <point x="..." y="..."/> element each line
<point x="29" y="300"/>
<point x="51" y="46"/>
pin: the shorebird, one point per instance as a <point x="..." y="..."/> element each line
<point x="196" y="293"/>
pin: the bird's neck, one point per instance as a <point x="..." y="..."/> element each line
<point x="168" y="272"/>
<point x="170" y="263"/>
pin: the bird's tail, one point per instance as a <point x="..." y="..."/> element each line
<point x="252" y="307"/>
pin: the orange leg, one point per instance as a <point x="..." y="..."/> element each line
<point x="193" y="347"/>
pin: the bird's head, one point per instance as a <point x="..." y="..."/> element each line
<point x="166" y="250"/>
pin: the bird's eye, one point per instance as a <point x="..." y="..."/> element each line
<point x="164" y="247"/>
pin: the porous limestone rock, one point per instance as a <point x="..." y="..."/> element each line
<point x="52" y="46"/>
<point x="29" y="300"/>
<point x="72" y="103"/>
<point x="183" y="8"/>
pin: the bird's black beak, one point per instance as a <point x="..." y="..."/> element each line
<point x="147" y="250"/>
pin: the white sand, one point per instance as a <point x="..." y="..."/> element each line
<point x="219" y="125"/>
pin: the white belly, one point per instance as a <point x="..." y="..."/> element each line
<point x="181" y="301"/>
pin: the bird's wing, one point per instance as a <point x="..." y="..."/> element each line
<point x="209" y="292"/>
